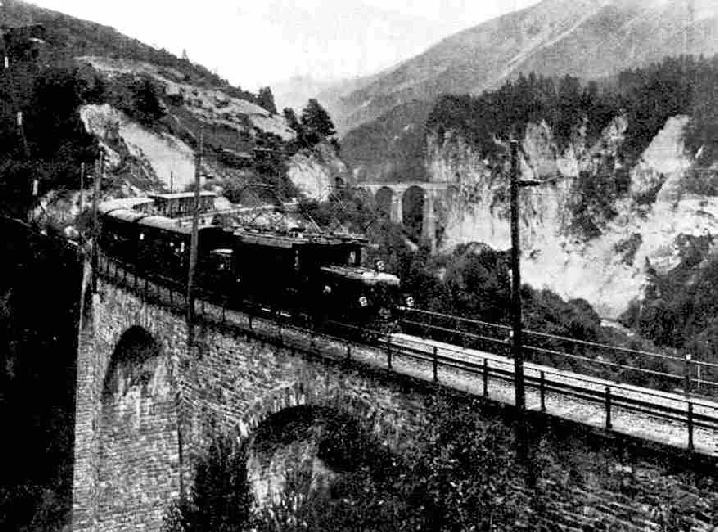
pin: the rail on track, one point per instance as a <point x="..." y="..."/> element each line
<point x="692" y="376"/>
<point x="348" y="341"/>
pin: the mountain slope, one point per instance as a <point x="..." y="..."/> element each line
<point x="585" y="38"/>
<point x="71" y="37"/>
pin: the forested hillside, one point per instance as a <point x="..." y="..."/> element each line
<point x="647" y="97"/>
<point x="681" y="306"/>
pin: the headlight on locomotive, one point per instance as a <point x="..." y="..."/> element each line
<point x="363" y="301"/>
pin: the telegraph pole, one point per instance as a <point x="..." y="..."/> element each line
<point x="516" y="347"/>
<point x="516" y="329"/>
<point x="194" y="240"/>
<point x="82" y="202"/>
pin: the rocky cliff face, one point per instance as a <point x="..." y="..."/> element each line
<point x="315" y="172"/>
<point x="649" y="223"/>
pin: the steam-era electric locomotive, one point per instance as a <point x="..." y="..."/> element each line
<point x="315" y="275"/>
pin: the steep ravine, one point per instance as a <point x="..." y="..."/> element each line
<point x="609" y="270"/>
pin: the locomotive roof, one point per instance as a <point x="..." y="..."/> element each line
<point x="122" y="203"/>
<point x="270" y="240"/>
<point x="287" y="241"/>
<point x="126" y="215"/>
<point x="182" y="195"/>
<point x="365" y="275"/>
<point x="164" y="223"/>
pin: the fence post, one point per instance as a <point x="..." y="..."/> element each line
<point x="349" y="351"/>
<point x="543" y="392"/>
<point x="690" y="427"/>
<point x="688" y="374"/>
<point x="608" y="408"/>
<point x="436" y="363"/>
<point x="486" y="377"/>
<point x="250" y="321"/>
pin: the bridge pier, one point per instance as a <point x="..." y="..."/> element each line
<point x="429" y="221"/>
<point x="431" y="191"/>
<point x="397" y="208"/>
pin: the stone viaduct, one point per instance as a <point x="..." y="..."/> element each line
<point x="152" y="392"/>
<point x="400" y="201"/>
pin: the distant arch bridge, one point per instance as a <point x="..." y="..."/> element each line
<point x="414" y="204"/>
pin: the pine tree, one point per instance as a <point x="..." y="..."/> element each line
<point x="316" y="123"/>
<point x="147" y="103"/>
<point x="265" y="99"/>
<point x="292" y="121"/>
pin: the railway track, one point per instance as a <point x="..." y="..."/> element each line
<point x="678" y="420"/>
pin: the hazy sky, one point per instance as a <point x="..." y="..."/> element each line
<point x="254" y="43"/>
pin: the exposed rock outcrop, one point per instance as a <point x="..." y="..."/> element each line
<point x="642" y="232"/>
<point x="315" y="172"/>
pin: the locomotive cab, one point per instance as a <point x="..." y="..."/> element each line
<point x="218" y="271"/>
<point x="221" y="260"/>
<point x="367" y="298"/>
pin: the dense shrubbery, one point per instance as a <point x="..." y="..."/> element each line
<point x="221" y="499"/>
<point x="461" y="476"/>
<point x="350" y="208"/>
<point x="55" y="141"/>
<point x="138" y="97"/>
<point x="269" y="164"/>
<point x="680" y="310"/>
<point x="681" y="306"/>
